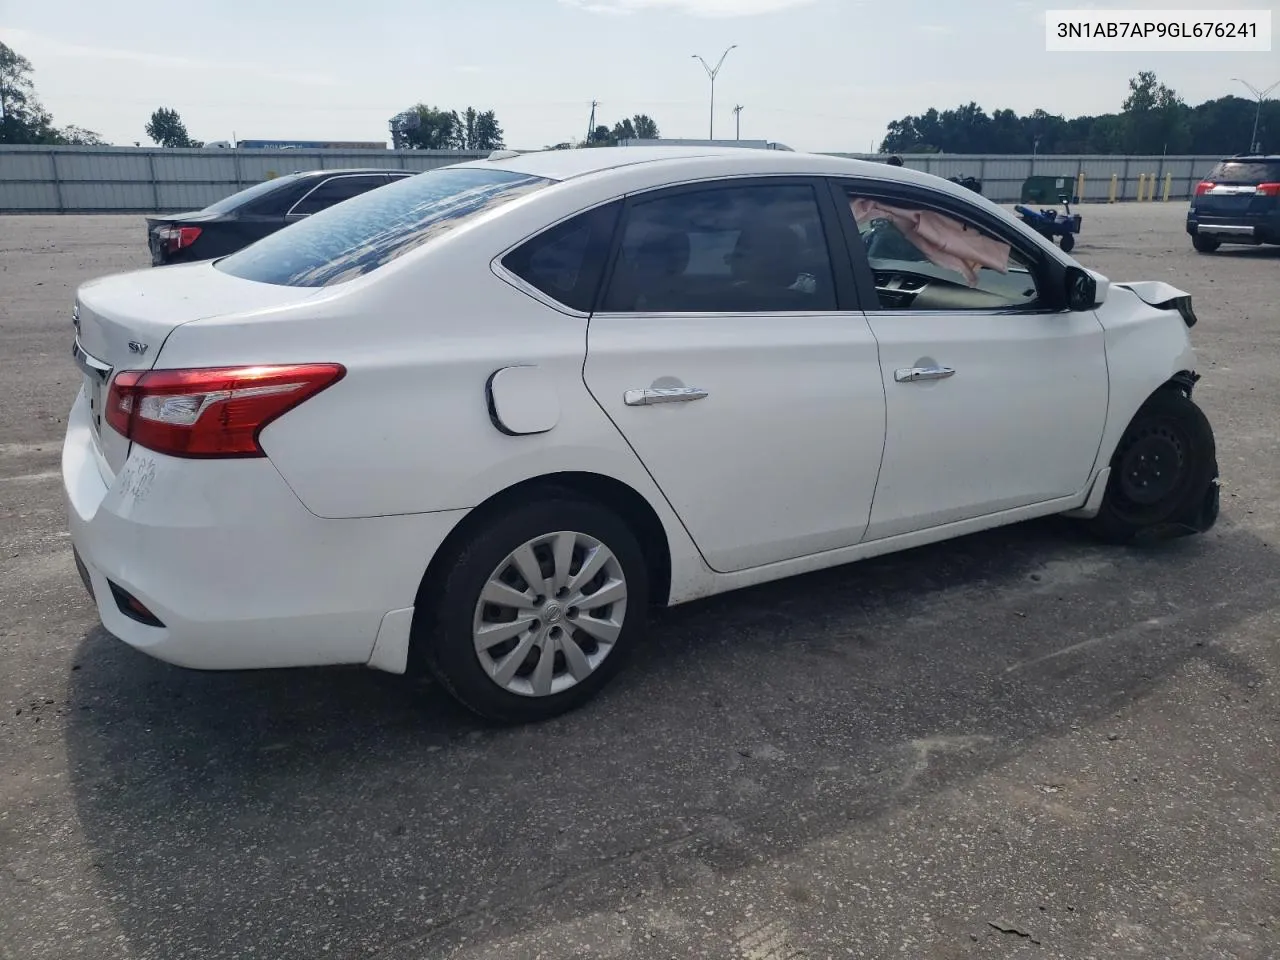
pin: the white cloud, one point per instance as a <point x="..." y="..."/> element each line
<point x="37" y="46"/>
<point x="696" y="8"/>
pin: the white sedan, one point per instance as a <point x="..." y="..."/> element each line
<point x="477" y="422"/>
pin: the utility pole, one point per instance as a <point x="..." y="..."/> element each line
<point x="1259" y="95"/>
<point x="712" y="73"/>
<point x="737" y="122"/>
<point x="591" y="124"/>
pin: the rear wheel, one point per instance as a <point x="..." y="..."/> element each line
<point x="1164" y="473"/>
<point x="1068" y="241"/>
<point x="537" y="612"/>
<point x="1204" y="244"/>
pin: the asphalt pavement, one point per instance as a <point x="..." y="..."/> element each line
<point x="1017" y="744"/>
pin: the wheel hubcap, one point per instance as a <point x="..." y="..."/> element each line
<point x="550" y="613"/>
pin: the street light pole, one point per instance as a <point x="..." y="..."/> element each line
<point x="712" y="73"/>
<point x="1259" y="95"/>
<point x="737" y="122"/>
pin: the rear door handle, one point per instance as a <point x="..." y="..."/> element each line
<point x="912" y="374"/>
<point x="644" y="398"/>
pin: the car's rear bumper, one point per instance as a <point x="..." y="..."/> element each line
<point x="1235" y="229"/>
<point x="236" y="571"/>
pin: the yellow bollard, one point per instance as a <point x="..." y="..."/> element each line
<point x="1080" y="187"/>
<point x="1168" y="185"/>
<point x="1142" y="185"/>
<point x="1151" y="187"/>
<point x="1111" y="194"/>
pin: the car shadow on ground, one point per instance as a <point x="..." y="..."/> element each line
<point x="1248" y="253"/>
<point x="291" y="812"/>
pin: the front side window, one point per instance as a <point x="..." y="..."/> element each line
<point x="748" y="249"/>
<point x="336" y="190"/>
<point x="356" y="237"/>
<point x="923" y="258"/>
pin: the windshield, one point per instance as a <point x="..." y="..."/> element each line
<point x="361" y="234"/>
<point x="237" y="200"/>
<point x="1246" y="172"/>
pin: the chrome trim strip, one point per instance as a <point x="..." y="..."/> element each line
<point x="340" y="176"/>
<point x="1226" y="229"/>
<point x="91" y="365"/>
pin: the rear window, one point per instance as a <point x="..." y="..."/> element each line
<point x="361" y="234"/>
<point x="1251" y="172"/>
<point x="237" y="200"/>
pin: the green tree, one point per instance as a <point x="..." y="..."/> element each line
<point x="22" y="118"/>
<point x="424" y="127"/>
<point x="427" y="128"/>
<point x="646" y="128"/>
<point x="79" y="137"/>
<point x="640" y="127"/>
<point x="487" y="134"/>
<point x="1154" y="117"/>
<point x="166" y="129"/>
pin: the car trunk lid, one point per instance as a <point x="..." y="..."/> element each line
<point x="123" y="321"/>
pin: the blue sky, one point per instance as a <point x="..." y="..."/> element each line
<point x="814" y="74"/>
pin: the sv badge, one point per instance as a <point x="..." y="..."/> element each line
<point x="138" y="347"/>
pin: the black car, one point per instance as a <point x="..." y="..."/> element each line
<point x="242" y="218"/>
<point x="1238" y="202"/>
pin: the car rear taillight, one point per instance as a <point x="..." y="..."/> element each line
<point x="1269" y="189"/>
<point x="174" y="238"/>
<point x="213" y="411"/>
<point x="1203" y="187"/>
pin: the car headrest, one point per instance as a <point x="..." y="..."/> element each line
<point x="767" y="254"/>
<point x="664" y="254"/>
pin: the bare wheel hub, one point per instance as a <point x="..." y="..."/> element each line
<point x="1152" y="466"/>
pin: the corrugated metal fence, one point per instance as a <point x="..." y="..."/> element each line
<point x="1002" y="176"/>
<point x="138" y="180"/>
<point x="141" y="180"/>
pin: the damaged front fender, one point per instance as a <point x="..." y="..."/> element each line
<point x="1163" y="296"/>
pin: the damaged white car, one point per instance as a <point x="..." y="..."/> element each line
<point x="478" y="422"/>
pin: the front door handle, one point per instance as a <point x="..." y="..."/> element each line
<point x="643" y="398"/>
<point x="912" y="374"/>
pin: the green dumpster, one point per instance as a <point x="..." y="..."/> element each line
<point x="1046" y="189"/>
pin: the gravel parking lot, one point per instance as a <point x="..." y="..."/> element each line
<point x="1019" y="744"/>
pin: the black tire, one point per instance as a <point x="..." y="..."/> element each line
<point x="1068" y="241"/>
<point x="442" y="640"/>
<point x="1204" y="244"/>
<point x="1164" y="473"/>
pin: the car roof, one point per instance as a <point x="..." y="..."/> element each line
<point x="348" y="170"/>
<point x="571" y="164"/>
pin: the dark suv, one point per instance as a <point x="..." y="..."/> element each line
<point x="251" y="214"/>
<point x="1238" y="202"/>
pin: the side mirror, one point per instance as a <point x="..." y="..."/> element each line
<point x="1082" y="290"/>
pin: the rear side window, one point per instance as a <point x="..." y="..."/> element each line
<point x="358" y="236"/>
<point x="567" y="261"/>
<point x="1247" y="172"/>
<point x="748" y="249"/>
<point x="258" y="193"/>
<point x="335" y="190"/>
